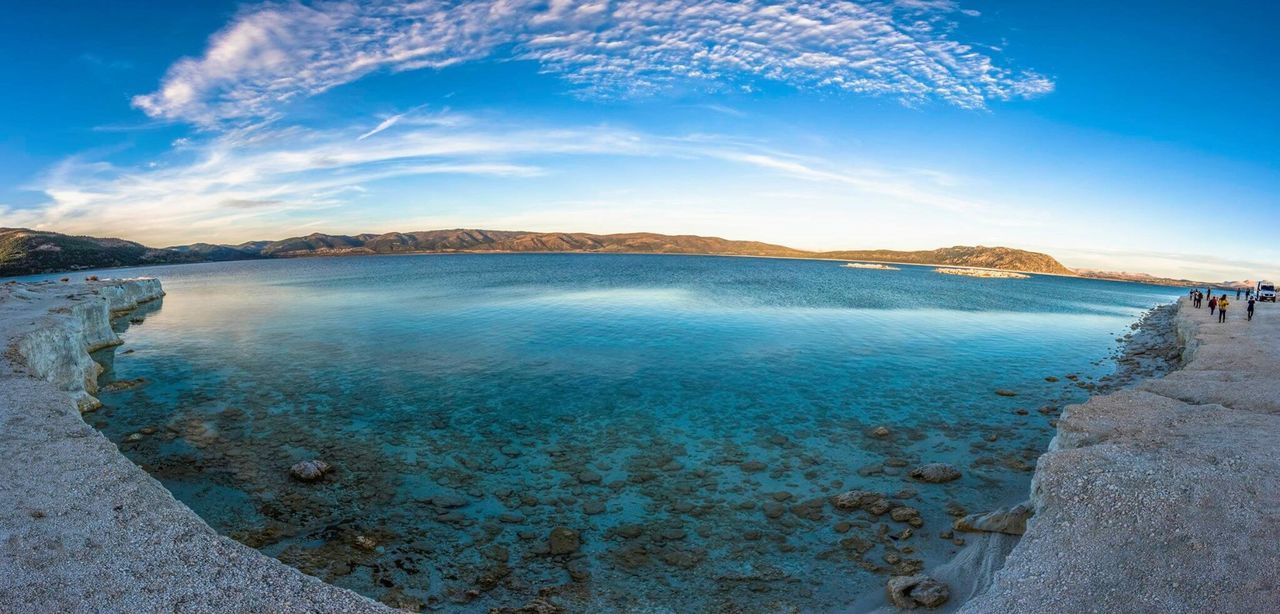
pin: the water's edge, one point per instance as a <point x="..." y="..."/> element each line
<point x="88" y="525"/>
<point x="1161" y="496"/>
<point x="1160" y="344"/>
<point x="49" y="340"/>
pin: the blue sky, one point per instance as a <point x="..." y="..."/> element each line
<point x="1137" y="137"/>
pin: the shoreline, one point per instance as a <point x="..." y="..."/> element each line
<point x="60" y="552"/>
<point x="1161" y="493"/>
<point x="96" y="529"/>
<point x="533" y="253"/>
<point x="1152" y="349"/>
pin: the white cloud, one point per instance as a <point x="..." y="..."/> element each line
<point x="274" y="53"/>
<point x="262" y="180"/>
<point x="386" y="123"/>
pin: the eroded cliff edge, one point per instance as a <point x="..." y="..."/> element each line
<point x="1164" y="497"/>
<point x="81" y="527"/>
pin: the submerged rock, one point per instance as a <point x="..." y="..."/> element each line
<point x="124" y="384"/>
<point x="907" y="514"/>
<point x="309" y="470"/>
<point x="448" y="501"/>
<point x="910" y="592"/>
<point x="1006" y="392"/>
<point x="563" y="540"/>
<point x="1012" y="521"/>
<point x="935" y="473"/>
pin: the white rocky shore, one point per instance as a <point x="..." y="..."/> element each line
<point x="81" y="527"/>
<point x="1163" y="497"/>
<point x="982" y="273"/>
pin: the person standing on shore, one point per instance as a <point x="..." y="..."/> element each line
<point x="1250" y="310"/>
<point x="1222" y="309"/>
<point x="1213" y="303"/>
<point x="1238" y="294"/>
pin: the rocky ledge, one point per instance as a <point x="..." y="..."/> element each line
<point x="1164" y="496"/>
<point x="81" y="527"/>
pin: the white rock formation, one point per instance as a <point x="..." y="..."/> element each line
<point x="58" y="349"/>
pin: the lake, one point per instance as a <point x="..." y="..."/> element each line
<point x="678" y="422"/>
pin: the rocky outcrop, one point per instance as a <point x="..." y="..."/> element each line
<point x="58" y="349"/>
<point x="85" y="529"/>
<point x="1163" y="497"/>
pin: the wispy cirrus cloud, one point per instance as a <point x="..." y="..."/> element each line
<point x="264" y="179"/>
<point x="275" y="53"/>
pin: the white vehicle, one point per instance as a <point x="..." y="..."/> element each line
<point x="1266" y="291"/>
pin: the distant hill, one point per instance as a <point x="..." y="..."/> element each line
<point x="1144" y="278"/>
<point x="25" y="251"/>
<point x="960" y="255"/>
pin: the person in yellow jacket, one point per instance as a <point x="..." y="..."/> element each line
<point x="1222" y="308"/>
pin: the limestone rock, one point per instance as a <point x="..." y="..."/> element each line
<point x="309" y="470"/>
<point x="910" y="592"/>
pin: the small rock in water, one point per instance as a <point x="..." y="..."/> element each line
<point x="309" y="470"/>
<point x="1006" y="392"/>
<point x="1051" y="379"/>
<point x="935" y="473"/>
<point x="910" y="592"/>
<point x="563" y="540"/>
<point x="906" y="514"/>
<point x="880" y="431"/>
<point x="133" y="438"/>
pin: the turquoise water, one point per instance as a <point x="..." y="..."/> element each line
<point x="688" y="417"/>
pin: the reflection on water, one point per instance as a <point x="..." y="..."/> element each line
<point x="678" y="423"/>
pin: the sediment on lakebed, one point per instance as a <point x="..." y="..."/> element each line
<point x="1161" y="495"/>
<point x="81" y="525"/>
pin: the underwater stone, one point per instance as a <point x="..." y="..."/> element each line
<point x="935" y="473"/>
<point x="563" y="540"/>
<point x="309" y="470"/>
<point x="448" y="501"/>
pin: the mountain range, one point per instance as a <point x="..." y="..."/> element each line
<point x="24" y="251"/>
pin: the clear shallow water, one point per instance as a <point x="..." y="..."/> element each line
<point x="687" y="416"/>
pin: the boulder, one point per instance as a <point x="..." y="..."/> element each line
<point x="910" y="592"/>
<point x="309" y="470"/>
<point x="1012" y="521"/>
<point x="935" y="473"/>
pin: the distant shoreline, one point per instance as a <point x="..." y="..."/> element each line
<point x="598" y="253"/>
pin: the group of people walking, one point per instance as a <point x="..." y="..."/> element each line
<point x="1220" y="304"/>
